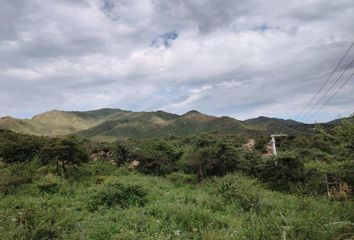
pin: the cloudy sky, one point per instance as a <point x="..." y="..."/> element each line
<point x="242" y="58"/>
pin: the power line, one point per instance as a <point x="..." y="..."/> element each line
<point x="324" y="84"/>
<point x="326" y="93"/>
<point x="332" y="96"/>
<point x="328" y="100"/>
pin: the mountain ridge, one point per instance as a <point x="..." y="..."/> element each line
<point x="111" y="124"/>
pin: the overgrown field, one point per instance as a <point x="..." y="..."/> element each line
<point x="99" y="201"/>
<point x="195" y="187"/>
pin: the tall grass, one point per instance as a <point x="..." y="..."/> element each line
<point x="148" y="207"/>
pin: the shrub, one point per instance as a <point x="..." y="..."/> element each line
<point x="9" y="183"/>
<point x="261" y="144"/>
<point x="38" y="221"/>
<point x="118" y="194"/>
<point x="250" y="161"/>
<point x="156" y="163"/>
<point x="241" y="189"/>
<point x="121" y="153"/>
<point x="346" y="171"/>
<point x="340" y="192"/>
<point x="63" y="152"/>
<point x="101" y="151"/>
<point x="15" y="175"/>
<point x="214" y="160"/>
<point x="180" y="178"/>
<point x="117" y="152"/>
<point x="157" y="158"/>
<point x="49" y="184"/>
<point x="15" y="147"/>
<point x="314" y="183"/>
<point x="282" y="171"/>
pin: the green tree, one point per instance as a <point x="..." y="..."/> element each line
<point x="282" y="171"/>
<point x="261" y="143"/>
<point x="343" y="149"/>
<point x="63" y="152"/>
<point x="157" y="157"/>
<point x="344" y="137"/>
<point x="213" y="160"/>
<point x="15" y="147"/>
<point x="121" y="153"/>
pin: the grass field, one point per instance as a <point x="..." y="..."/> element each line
<point x="101" y="201"/>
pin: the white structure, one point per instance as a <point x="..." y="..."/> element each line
<point x="273" y="136"/>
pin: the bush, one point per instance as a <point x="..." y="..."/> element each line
<point x="157" y="158"/>
<point x="156" y="164"/>
<point x="241" y="189"/>
<point x="314" y="183"/>
<point x="213" y="160"/>
<point x="15" y="147"/>
<point x="180" y="178"/>
<point x="117" y="152"/>
<point x="15" y="175"/>
<point x="281" y="172"/>
<point x="63" y="152"/>
<point x="49" y="184"/>
<point x="118" y="194"/>
<point x="9" y="183"/>
<point x="261" y="144"/>
<point x="250" y="161"/>
<point x="121" y="153"/>
<point x="38" y="221"/>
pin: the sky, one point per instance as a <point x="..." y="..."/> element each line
<point x="243" y="59"/>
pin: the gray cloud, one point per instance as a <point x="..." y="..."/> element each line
<point x="205" y="15"/>
<point x="238" y="58"/>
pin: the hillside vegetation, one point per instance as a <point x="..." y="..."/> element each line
<point x="56" y="123"/>
<point x="207" y="186"/>
<point x="113" y="124"/>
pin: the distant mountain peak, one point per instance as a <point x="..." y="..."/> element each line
<point x="194" y="115"/>
<point x="46" y="114"/>
<point x="192" y="112"/>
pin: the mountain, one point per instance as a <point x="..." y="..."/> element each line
<point x="272" y="125"/>
<point x="339" y="120"/>
<point x="56" y="122"/>
<point x="17" y="125"/>
<point x="111" y="124"/>
<point x="194" y="122"/>
<point x="130" y="125"/>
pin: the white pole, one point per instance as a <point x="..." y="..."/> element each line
<point x="273" y="145"/>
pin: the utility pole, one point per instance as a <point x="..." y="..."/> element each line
<point x="273" y="136"/>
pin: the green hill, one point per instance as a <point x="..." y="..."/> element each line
<point x="162" y="124"/>
<point x="272" y="125"/>
<point x="110" y="124"/>
<point x="131" y="125"/>
<point x="56" y="123"/>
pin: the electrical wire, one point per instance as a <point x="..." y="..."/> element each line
<point x="325" y="83"/>
<point x="331" y="97"/>
<point x="328" y="90"/>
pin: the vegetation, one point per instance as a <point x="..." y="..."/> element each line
<point x="63" y="152"/>
<point x="205" y="186"/>
<point x="113" y="124"/>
